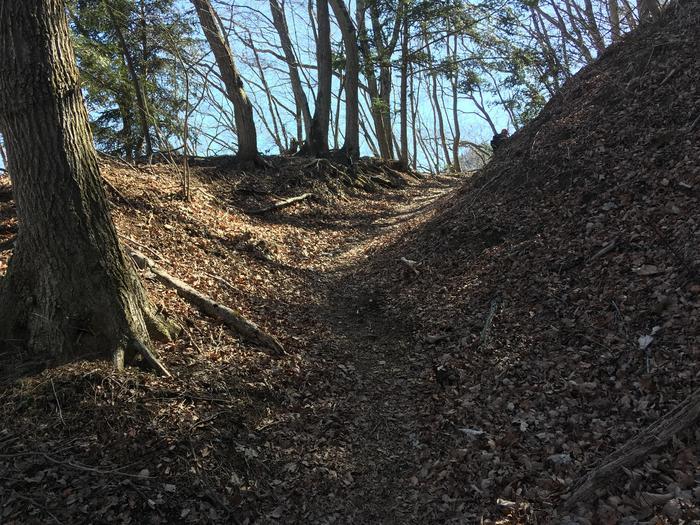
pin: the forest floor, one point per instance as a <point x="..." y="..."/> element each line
<point x="458" y="350"/>
<point x="330" y="432"/>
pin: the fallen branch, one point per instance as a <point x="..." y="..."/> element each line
<point x="234" y="320"/>
<point x="637" y="449"/>
<point x="281" y="204"/>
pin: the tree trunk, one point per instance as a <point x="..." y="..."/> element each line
<point x="280" y="23"/>
<point x="318" y="137"/>
<point x="243" y="109"/>
<point x="351" y="146"/>
<point x="375" y="103"/>
<point x="614" y="14"/>
<point x="648" y="9"/>
<point x="69" y="291"/>
<point x="414" y="120"/>
<point x="404" y="93"/>
<point x="385" y="50"/>
<point x="456" y="137"/>
<point x="136" y="82"/>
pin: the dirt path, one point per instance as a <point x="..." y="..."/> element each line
<point x="360" y="420"/>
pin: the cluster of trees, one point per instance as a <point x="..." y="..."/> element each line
<point x="158" y="77"/>
<point x="416" y="80"/>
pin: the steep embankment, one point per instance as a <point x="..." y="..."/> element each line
<point x="539" y="278"/>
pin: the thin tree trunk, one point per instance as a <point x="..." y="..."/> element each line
<point x="280" y="23"/>
<point x="414" y="129"/>
<point x="336" y="114"/>
<point x="318" y="137"/>
<point x="376" y="108"/>
<point x="614" y="14"/>
<point x="274" y="114"/>
<point x="351" y="144"/>
<point x="404" y="93"/>
<point x="136" y="82"/>
<point x="243" y="109"/>
<point x="456" y="137"/>
<point x="69" y="290"/>
<point x="385" y="51"/>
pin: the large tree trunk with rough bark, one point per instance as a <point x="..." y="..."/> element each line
<point x="69" y="291"/>
<point x="243" y="109"/>
<point x="351" y="146"/>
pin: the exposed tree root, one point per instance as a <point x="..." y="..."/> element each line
<point x="636" y="449"/>
<point x="149" y="357"/>
<point x="234" y="320"/>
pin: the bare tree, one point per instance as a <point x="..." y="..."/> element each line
<point x="280" y="23"/>
<point x="243" y="109"/>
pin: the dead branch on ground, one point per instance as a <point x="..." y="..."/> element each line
<point x="637" y="449"/>
<point x="234" y="320"/>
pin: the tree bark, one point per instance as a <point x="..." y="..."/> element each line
<point x="243" y="109"/>
<point x="456" y="136"/>
<point x="69" y="290"/>
<point x="280" y="23"/>
<point x="318" y="137"/>
<point x="614" y="15"/>
<point x="375" y="103"/>
<point x="404" y="93"/>
<point x="351" y="145"/>
<point x="648" y="9"/>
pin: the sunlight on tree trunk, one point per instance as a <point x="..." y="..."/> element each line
<point x="69" y="290"/>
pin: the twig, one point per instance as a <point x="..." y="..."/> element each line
<point x="150" y="357"/>
<point x="117" y="192"/>
<point x="153" y="252"/>
<point x="486" y="330"/>
<point x="692" y="126"/>
<point x="668" y="77"/>
<point x="58" y="404"/>
<point x="38" y="506"/>
<point x="604" y="251"/>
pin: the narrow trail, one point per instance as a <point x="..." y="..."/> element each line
<point x="360" y="417"/>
